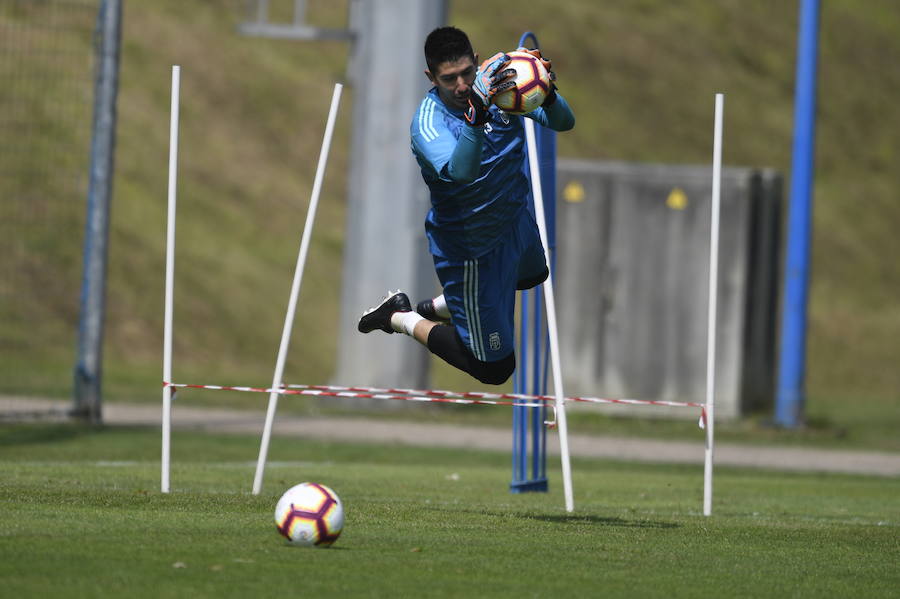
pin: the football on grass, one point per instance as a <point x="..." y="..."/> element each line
<point x="310" y="515"/>
<point x="532" y="85"/>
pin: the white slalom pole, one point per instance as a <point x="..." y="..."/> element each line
<point x="551" y="318"/>
<point x="713" y="296"/>
<point x="295" y="289"/>
<point x="170" y="282"/>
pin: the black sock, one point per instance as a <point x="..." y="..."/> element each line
<point x="425" y="308"/>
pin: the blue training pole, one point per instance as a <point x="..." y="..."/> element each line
<point x="790" y="394"/>
<point x="529" y="433"/>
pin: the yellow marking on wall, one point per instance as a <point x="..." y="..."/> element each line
<point x="573" y="192"/>
<point x="677" y="199"/>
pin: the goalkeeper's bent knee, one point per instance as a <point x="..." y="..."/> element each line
<point x="445" y="342"/>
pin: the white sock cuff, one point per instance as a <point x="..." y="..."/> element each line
<point x="440" y="306"/>
<point x="405" y="322"/>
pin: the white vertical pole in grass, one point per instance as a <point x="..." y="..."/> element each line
<point x="713" y="296"/>
<point x="170" y="284"/>
<point x="551" y="317"/>
<point x="295" y="289"/>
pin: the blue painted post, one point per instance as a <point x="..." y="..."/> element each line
<point x="88" y="375"/>
<point x="529" y="433"/>
<point x="790" y="394"/>
<point x="520" y="479"/>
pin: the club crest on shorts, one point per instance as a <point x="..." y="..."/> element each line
<point x="494" y="341"/>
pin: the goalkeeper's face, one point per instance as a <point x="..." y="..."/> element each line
<point x="454" y="81"/>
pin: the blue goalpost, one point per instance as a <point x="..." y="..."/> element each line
<point x="529" y="451"/>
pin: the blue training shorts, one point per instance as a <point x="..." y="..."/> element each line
<point x="481" y="292"/>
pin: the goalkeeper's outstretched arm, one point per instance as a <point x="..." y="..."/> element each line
<point x="556" y="115"/>
<point x="555" y="112"/>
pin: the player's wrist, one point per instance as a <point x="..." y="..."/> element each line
<point x="477" y="114"/>
<point x="550" y="100"/>
<point x="474" y="133"/>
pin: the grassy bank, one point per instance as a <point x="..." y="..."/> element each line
<point x="640" y="76"/>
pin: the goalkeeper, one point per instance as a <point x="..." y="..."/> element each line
<point x="482" y="237"/>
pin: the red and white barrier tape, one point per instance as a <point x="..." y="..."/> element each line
<point x="513" y="396"/>
<point x="439" y="396"/>
<point x="362" y="395"/>
<point x="516" y="397"/>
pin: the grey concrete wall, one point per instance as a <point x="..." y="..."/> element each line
<point x="632" y="282"/>
<point x="385" y="244"/>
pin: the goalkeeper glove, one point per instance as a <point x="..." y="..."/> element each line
<point x="490" y="79"/>
<point x="536" y="52"/>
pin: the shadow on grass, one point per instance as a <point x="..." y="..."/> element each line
<point x="600" y="520"/>
<point x="334" y="547"/>
<point x="583" y="519"/>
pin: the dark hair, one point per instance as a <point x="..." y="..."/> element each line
<point x="446" y="44"/>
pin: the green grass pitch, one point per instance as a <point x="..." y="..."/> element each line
<point x="82" y="516"/>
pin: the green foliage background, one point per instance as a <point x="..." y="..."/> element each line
<point x="641" y="77"/>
